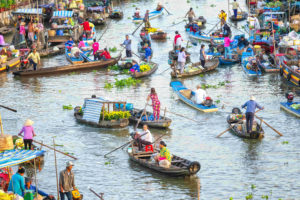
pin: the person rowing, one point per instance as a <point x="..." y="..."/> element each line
<point x="144" y="138"/>
<point x="191" y="15"/>
<point x="159" y="7"/>
<point x="135" y="67"/>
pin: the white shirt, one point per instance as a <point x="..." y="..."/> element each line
<point x="181" y="56"/>
<point x="147" y="137"/>
<point x="200" y="96"/>
<point x="74" y="50"/>
<point x="178" y="41"/>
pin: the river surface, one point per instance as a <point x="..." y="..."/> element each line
<point x="231" y="166"/>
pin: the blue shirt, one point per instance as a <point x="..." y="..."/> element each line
<point x="147" y="52"/>
<point x="16" y="184"/>
<point x="251" y="106"/>
<point x="69" y="43"/>
<point x="136" y="67"/>
<point x="127" y="44"/>
<point x="40" y="192"/>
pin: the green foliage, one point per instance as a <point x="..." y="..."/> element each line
<point x="220" y="84"/>
<point x="265" y="197"/>
<point x="107" y="163"/>
<point x="94" y="71"/>
<point x="114" y="49"/>
<point x="249" y="196"/>
<point x="212" y="5"/>
<point x="253" y="186"/>
<point x="67" y="107"/>
<point x="108" y="85"/>
<point x="285" y="142"/>
<point x="217" y="101"/>
<point x="115" y="115"/>
<point x="114" y="67"/>
<point x="126" y="82"/>
<point x="72" y="73"/>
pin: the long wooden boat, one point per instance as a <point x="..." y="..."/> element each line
<point x="204" y="37"/>
<point x="163" y="122"/>
<point x="289" y="74"/>
<point x="73" y="60"/>
<point x="239" y="129"/>
<point x="240" y="17"/>
<point x="180" y="90"/>
<point x="209" y="66"/>
<point x="68" y="68"/>
<point x="287" y="107"/>
<point x="152" y="15"/>
<point x="179" y="166"/>
<point x="10" y="65"/>
<point x="153" y="67"/>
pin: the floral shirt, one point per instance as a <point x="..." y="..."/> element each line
<point x="165" y="153"/>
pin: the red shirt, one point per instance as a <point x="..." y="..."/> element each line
<point x="86" y="26"/>
<point x="175" y="39"/>
<point x="105" y="54"/>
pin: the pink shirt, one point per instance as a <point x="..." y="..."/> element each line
<point x="227" y="41"/>
<point x="81" y="44"/>
<point x="95" y="47"/>
<point x="28" y="132"/>
<point x="22" y="30"/>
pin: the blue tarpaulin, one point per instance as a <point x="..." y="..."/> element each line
<point x="29" y="11"/>
<point x="15" y="157"/>
<point x="62" y="14"/>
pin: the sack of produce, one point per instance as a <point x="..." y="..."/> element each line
<point x="186" y="93"/>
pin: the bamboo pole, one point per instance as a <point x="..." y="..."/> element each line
<point x="35" y="180"/>
<point x="57" y="186"/>
<point x="1" y="125"/>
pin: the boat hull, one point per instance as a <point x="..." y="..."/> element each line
<point x="285" y="106"/>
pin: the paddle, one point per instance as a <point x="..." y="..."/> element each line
<point x="167" y="11"/>
<point x="8" y="108"/>
<point x="137" y="28"/>
<point x="178" y="23"/>
<point x="230" y="128"/>
<point x="131" y="52"/>
<point x="235" y="27"/>
<point x="98" y="195"/>
<point x="268" y="125"/>
<point x="213" y="28"/>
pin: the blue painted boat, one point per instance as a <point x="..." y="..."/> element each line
<point x="73" y="60"/>
<point x="287" y="107"/>
<point x="245" y="57"/>
<point x="179" y="89"/>
<point x="88" y="55"/>
<point x="204" y="37"/>
<point x="152" y="15"/>
<point x="224" y="61"/>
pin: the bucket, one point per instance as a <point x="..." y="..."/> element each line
<point x="60" y="32"/>
<point x="51" y="33"/>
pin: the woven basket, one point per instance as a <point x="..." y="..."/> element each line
<point x="6" y="142"/>
<point x="186" y="93"/>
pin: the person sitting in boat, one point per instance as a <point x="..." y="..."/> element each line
<point x="159" y="7"/>
<point x="81" y="43"/>
<point x="33" y="189"/>
<point x="69" y="44"/>
<point x="199" y="95"/>
<point x="226" y="29"/>
<point x="250" y="112"/>
<point x="164" y="158"/>
<point x="137" y="13"/>
<point x="146" y="38"/>
<point x="144" y="138"/>
<point x="105" y="55"/>
<point x="254" y="63"/>
<point x="290" y="97"/>
<point x="243" y="43"/>
<point x="75" y="52"/>
<point x="135" y="67"/>
<point x="16" y="184"/>
<point x="148" y="53"/>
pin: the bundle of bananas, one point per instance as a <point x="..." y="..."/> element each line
<point x="152" y="30"/>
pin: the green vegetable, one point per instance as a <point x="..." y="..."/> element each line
<point x="67" y="107"/>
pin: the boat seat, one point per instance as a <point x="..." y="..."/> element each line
<point x="176" y="161"/>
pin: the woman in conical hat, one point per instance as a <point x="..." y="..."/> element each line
<point x="28" y="133"/>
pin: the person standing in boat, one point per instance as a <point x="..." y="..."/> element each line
<point x="127" y="44"/>
<point x="202" y="55"/>
<point x="34" y="59"/>
<point x="155" y="103"/>
<point x="95" y="47"/>
<point x="181" y="59"/>
<point x="190" y="14"/>
<point x="66" y="182"/>
<point x="28" y="133"/>
<point x="223" y="17"/>
<point x="86" y="28"/>
<point x="177" y="40"/>
<point x="144" y="138"/>
<point x="164" y="157"/>
<point x="146" y="20"/>
<point x="235" y="6"/>
<point x="250" y="112"/>
<point x="227" y="42"/>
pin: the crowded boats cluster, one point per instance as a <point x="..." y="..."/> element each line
<point x="269" y="42"/>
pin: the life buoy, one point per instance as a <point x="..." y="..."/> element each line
<point x="281" y="71"/>
<point x="289" y="76"/>
<point x="194" y="167"/>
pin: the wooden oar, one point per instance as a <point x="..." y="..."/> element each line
<point x="100" y="196"/>
<point x="182" y="116"/>
<point x="54" y="149"/>
<point x="231" y="127"/>
<point x="178" y="23"/>
<point x="8" y="108"/>
<point x="167" y="11"/>
<point x="269" y="125"/>
<point x="213" y="28"/>
<point x="137" y="28"/>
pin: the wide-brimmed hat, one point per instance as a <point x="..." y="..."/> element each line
<point x="252" y="98"/>
<point x="28" y="122"/>
<point x="69" y="163"/>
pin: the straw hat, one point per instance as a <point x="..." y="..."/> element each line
<point x="252" y="98"/>
<point x="23" y="23"/>
<point x="28" y="122"/>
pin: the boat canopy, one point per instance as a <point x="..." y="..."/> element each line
<point x="62" y="14"/>
<point x="16" y="156"/>
<point x="28" y="11"/>
<point x="92" y="109"/>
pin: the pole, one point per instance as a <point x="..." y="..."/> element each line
<point x="99" y="196"/>
<point x="36" y="187"/>
<point x="56" y="170"/>
<point x="38" y="20"/>
<point x="274" y="51"/>
<point x="1" y="125"/>
<point x="228" y="8"/>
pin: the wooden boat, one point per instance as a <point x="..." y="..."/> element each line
<point x="10" y="65"/>
<point x="68" y="68"/>
<point x="51" y="51"/>
<point x="153" y="67"/>
<point x="249" y="71"/>
<point x="6" y="30"/>
<point x="287" y="107"/>
<point x="179" y="166"/>
<point x="291" y="75"/>
<point x="205" y="38"/>
<point x="160" y="35"/>
<point x="240" y="17"/>
<point x="239" y="129"/>
<point x="152" y="15"/>
<point x="93" y="113"/>
<point x="227" y="61"/>
<point x="184" y="95"/>
<point x="73" y="60"/>
<point x="209" y="66"/>
<point x="116" y="14"/>
<point x="163" y="122"/>
<point x="269" y="67"/>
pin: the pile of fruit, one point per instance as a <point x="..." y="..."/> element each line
<point x="115" y="115"/>
<point x="145" y="67"/>
<point x="274" y="4"/>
